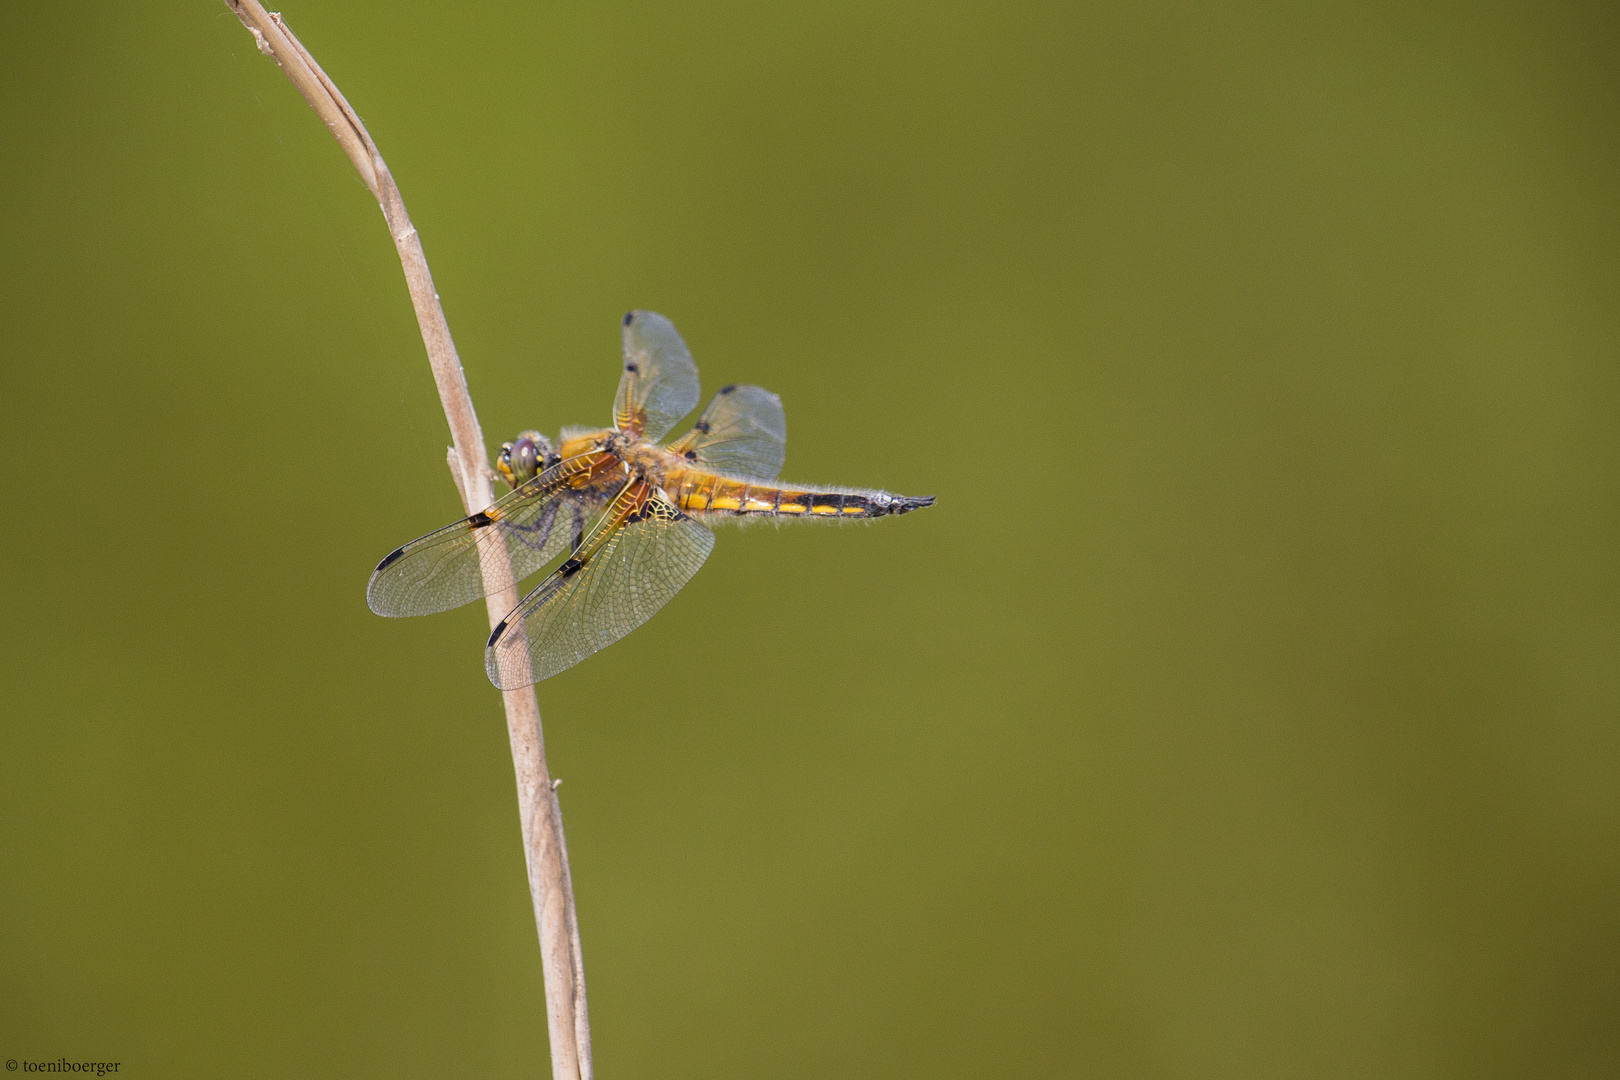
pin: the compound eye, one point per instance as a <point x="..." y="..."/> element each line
<point x="524" y="459"/>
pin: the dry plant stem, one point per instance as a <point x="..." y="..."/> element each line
<point x="544" y="847"/>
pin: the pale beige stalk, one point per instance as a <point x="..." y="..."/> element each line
<point x="543" y="845"/>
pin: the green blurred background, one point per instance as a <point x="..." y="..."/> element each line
<point x="1246" y="707"/>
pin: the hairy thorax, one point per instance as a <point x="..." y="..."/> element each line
<point x="620" y="457"/>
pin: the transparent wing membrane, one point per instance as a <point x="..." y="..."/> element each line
<point x="743" y="432"/>
<point x="533" y="524"/>
<point x="660" y="382"/>
<point x="641" y="554"/>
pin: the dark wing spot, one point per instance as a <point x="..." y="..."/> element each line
<point x="480" y="519"/>
<point x="388" y="559"/>
<point x="728" y="388"/>
<point x="495" y="634"/>
<point x="702" y="426"/>
<point x="631" y="368"/>
<point x="690" y="455"/>
<point x="628" y="316"/>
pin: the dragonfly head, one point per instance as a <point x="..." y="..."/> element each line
<point x="524" y="459"/>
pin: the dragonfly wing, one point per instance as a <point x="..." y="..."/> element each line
<point x="447" y="568"/>
<point x="660" y="382"/>
<point x="742" y="432"/>
<point x="616" y="583"/>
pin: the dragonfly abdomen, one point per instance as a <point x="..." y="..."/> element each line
<point x="718" y="498"/>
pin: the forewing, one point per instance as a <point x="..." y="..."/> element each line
<point x="446" y="568"/>
<point x="660" y="382"/>
<point x="637" y="568"/>
<point x="742" y="432"/>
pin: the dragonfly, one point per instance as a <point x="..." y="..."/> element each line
<point x="628" y="517"/>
